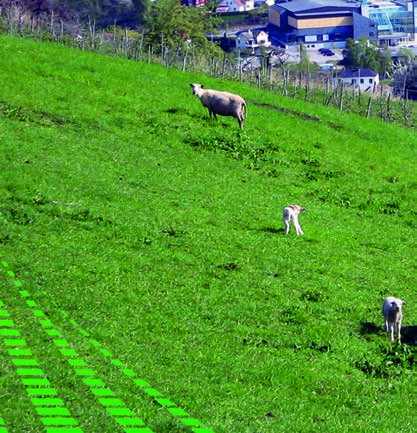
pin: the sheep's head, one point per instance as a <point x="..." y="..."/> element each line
<point x="196" y="88"/>
<point x="397" y="305"/>
<point x="298" y="208"/>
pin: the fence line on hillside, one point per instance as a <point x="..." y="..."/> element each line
<point x="319" y="87"/>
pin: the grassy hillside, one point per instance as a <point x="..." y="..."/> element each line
<point x="126" y="211"/>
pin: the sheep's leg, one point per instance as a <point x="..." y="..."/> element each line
<point x="297" y="226"/>
<point x="299" y="229"/>
<point x="392" y="332"/>
<point x="240" y="120"/>
<point x="287" y="226"/>
<point x="399" y="330"/>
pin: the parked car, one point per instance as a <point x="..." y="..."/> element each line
<point x="327" y="67"/>
<point x="323" y="50"/>
<point x="328" y="53"/>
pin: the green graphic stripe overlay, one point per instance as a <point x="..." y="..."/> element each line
<point x="114" y="406"/>
<point x="33" y="378"/>
<point x="3" y="428"/>
<point x="182" y="415"/>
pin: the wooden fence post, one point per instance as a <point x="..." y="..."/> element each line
<point x="368" y="110"/>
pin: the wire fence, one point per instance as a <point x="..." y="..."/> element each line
<point x="270" y="71"/>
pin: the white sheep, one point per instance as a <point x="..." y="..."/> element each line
<point x="221" y="103"/>
<point x="291" y="213"/>
<point x="393" y="316"/>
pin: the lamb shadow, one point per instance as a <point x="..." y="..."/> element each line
<point x="272" y="230"/>
<point x="368" y="328"/>
<point x="409" y="335"/>
<point x="312" y="241"/>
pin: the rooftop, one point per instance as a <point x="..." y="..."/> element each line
<point x="308" y="5"/>
<point x="357" y="72"/>
<point x="302" y="5"/>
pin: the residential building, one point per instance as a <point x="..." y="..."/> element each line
<point x="364" y="79"/>
<point x="195" y="3"/>
<point x="235" y="6"/>
<point x="252" y="39"/>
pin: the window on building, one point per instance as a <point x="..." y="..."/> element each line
<point x="362" y="81"/>
<point x="353" y="81"/>
<point x="371" y="81"/>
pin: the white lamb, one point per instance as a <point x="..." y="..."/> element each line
<point x="289" y="215"/>
<point x="393" y="316"/>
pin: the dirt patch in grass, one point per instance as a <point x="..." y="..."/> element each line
<point x="287" y="111"/>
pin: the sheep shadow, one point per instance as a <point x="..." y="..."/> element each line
<point x="272" y="230"/>
<point x="174" y="110"/>
<point x="369" y="328"/>
<point x="276" y="231"/>
<point x="409" y="335"/>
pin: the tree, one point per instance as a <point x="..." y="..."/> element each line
<point x="407" y="55"/>
<point x="176" y="28"/>
<point x="305" y="64"/>
<point x="352" y="53"/>
<point x="386" y="62"/>
<point x="140" y="8"/>
<point x="362" y="53"/>
<point x="405" y="82"/>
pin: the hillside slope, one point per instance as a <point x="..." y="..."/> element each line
<point x="159" y="232"/>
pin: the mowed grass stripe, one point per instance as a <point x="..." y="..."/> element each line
<point x="37" y="388"/>
<point x="129" y="424"/>
<point x="157" y="396"/>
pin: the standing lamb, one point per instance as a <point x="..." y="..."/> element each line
<point x="221" y="103"/>
<point x="393" y="316"/>
<point x="291" y="213"/>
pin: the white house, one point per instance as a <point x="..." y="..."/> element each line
<point x="235" y="6"/>
<point x="359" y="78"/>
<point x="252" y="39"/>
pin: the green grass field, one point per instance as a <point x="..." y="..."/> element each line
<point x="143" y="256"/>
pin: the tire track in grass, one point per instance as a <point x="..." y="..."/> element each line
<point x="51" y="410"/>
<point x="123" y="416"/>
